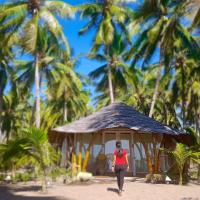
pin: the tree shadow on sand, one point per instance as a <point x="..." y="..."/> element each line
<point x="8" y="193"/>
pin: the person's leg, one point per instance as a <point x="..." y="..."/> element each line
<point x="117" y="172"/>
<point x="122" y="174"/>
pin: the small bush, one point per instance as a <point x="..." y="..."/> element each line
<point x="57" y="172"/>
<point x="2" y="177"/>
<point x="158" y="178"/>
<point x="149" y="177"/>
<point x="24" y="177"/>
<point x="155" y="178"/>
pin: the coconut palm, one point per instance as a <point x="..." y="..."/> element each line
<point x="106" y="16"/>
<point x="162" y="30"/>
<point x="34" y="145"/>
<point x="195" y="149"/>
<point x="181" y="155"/>
<point x="141" y="84"/>
<point x="51" y="54"/>
<point x="119" y="70"/>
<point x="21" y="21"/>
<point x="185" y="88"/>
<point x="66" y="95"/>
<point x="194" y="10"/>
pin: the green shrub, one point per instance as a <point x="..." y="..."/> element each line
<point x="24" y="177"/>
<point x="2" y="177"/>
<point x="149" y="177"/>
<point x="155" y="178"/>
<point x="57" y="172"/>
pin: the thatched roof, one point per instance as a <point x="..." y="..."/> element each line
<point x="117" y="115"/>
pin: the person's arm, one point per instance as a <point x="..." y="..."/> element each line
<point x="127" y="162"/>
<point x="113" y="163"/>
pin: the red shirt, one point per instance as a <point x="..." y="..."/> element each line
<point x="120" y="160"/>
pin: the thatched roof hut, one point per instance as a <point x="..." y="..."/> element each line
<point x="96" y="135"/>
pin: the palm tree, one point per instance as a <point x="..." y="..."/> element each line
<point x="195" y="149"/>
<point x="11" y="114"/>
<point x="21" y="21"/>
<point x="181" y="154"/>
<point x="66" y="95"/>
<point x="195" y="12"/>
<point x="32" y="144"/>
<point x="106" y="16"/>
<point x="49" y="62"/>
<point x="164" y="31"/>
<point x="119" y="70"/>
<point x="185" y="86"/>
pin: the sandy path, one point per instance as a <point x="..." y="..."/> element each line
<point x="133" y="191"/>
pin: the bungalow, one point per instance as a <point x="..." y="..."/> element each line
<point x="89" y="142"/>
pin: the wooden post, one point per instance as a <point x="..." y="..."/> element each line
<point x="103" y="142"/>
<point x="148" y="156"/>
<point x="67" y="150"/>
<point x="157" y="167"/>
<point x="132" y="155"/>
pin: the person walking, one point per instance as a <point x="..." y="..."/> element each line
<point x="120" y="165"/>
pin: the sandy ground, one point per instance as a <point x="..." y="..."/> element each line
<point x="137" y="190"/>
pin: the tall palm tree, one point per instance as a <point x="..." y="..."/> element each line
<point x="21" y="22"/>
<point x="162" y="30"/>
<point x="66" y="95"/>
<point x="195" y="149"/>
<point x="105" y="17"/>
<point x="185" y="89"/>
<point x="119" y="70"/>
<point x="50" y="56"/>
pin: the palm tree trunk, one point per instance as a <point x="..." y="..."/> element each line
<point x="180" y="176"/>
<point x="13" y="171"/>
<point x="65" y="112"/>
<point x="110" y="78"/>
<point x="1" y="109"/>
<point x="1" y="102"/>
<point x="37" y="91"/>
<point x="44" y="176"/>
<point x="196" y="114"/>
<point x="183" y="94"/>
<point x="155" y="94"/>
<point x="198" y="174"/>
